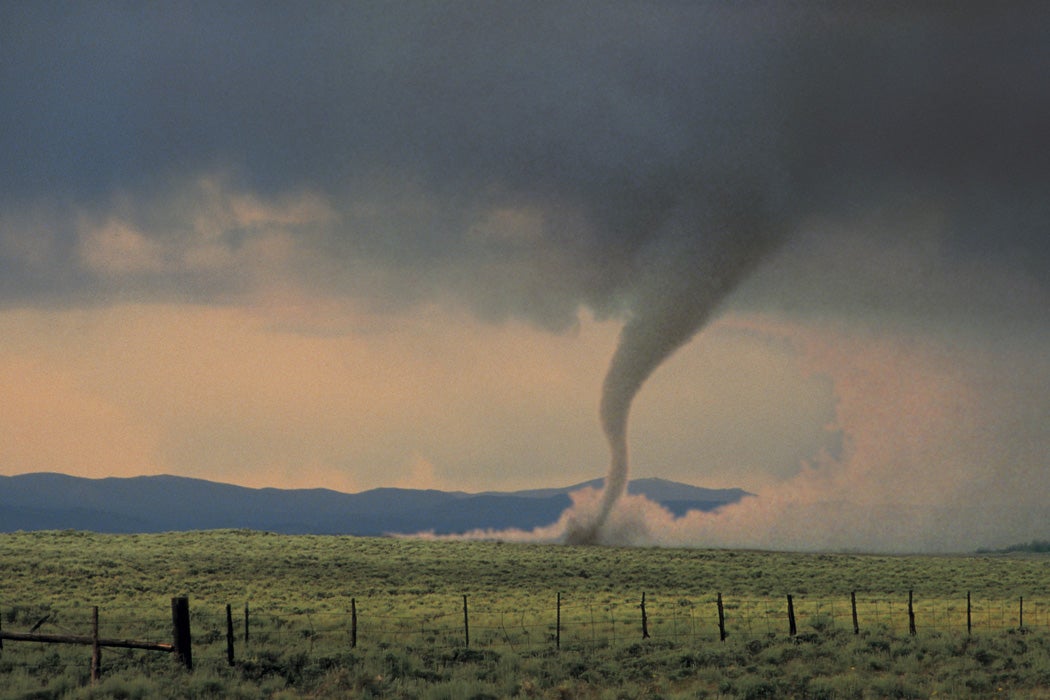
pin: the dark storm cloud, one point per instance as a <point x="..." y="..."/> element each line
<point x="607" y="121"/>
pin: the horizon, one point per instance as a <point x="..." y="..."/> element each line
<point x="540" y="535"/>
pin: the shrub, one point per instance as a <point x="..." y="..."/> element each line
<point x="838" y="687"/>
<point x="751" y="688"/>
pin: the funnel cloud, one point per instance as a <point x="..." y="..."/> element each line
<point x="706" y="254"/>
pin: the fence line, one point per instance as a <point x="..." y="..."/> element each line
<point x="577" y="623"/>
<point x="585" y="622"/>
<point x="610" y="622"/>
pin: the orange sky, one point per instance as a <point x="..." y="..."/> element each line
<point x="427" y="399"/>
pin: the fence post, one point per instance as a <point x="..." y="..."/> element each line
<point x="466" y="623"/>
<point x="96" y="649"/>
<point x="645" y="619"/>
<point x="353" y="623"/>
<point x="557" y="625"/>
<point x="911" y="615"/>
<point x="721" y="620"/>
<point x="180" y="620"/>
<point x="1020" y="614"/>
<point x="792" y="630"/>
<point x="229" y="634"/>
<point x="969" y="626"/>
<point x="853" y="604"/>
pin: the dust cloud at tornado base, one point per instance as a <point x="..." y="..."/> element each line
<point x="922" y="469"/>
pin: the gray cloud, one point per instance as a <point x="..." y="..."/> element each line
<point x="604" y="121"/>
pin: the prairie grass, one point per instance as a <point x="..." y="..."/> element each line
<point x="408" y="595"/>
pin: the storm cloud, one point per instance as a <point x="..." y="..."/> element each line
<point x="542" y="147"/>
<point x="538" y="162"/>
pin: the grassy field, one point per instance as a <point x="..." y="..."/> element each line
<point x="412" y="631"/>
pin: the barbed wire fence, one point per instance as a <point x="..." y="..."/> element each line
<point x="547" y="623"/>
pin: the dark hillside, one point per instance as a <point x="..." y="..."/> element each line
<point x="46" y="501"/>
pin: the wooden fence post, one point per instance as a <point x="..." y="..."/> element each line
<point x="911" y="615"/>
<point x="853" y="604"/>
<point x="180" y="620"/>
<point x="792" y="630"/>
<point x="1020" y="614"/>
<point x="96" y="649"/>
<point x="645" y="620"/>
<point x="557" y="625"/>
<point x="229" y="634"/>
<point x="245" y="622"/>
<point x="353" y="623"/>
<point x="466" y="623"/>
<point x="721" y="620"/>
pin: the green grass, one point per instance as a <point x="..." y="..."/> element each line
<point x="411" y="638"/>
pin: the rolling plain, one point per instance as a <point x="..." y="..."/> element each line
<point x="328" y="616"/>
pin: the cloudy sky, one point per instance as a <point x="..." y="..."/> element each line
<point x="370" y="244"/>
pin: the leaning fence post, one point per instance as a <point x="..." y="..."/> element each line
<point x="969" y="626"/>
<point x="229" y="634"/>
<point x="246" y="622"/>
<point x="180" y="620"/>
<point x="853" y="604"/>
<point x="721" y="620"/>
<point x="1020" y="614"/>
<point x="792" y="630"/>
<point x="353" y="623"/>
<point x="96" y="648"/>
<point x="911" y="615"/>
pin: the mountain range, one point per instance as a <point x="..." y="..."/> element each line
<point x="49" y="501"/>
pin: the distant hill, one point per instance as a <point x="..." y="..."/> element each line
<point x="47" y="501"/>
<point x="1033" y="547"/>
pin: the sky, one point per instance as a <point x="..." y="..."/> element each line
<point x="354" y="245"/>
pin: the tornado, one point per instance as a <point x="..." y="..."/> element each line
<point x="700" y="256"/>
